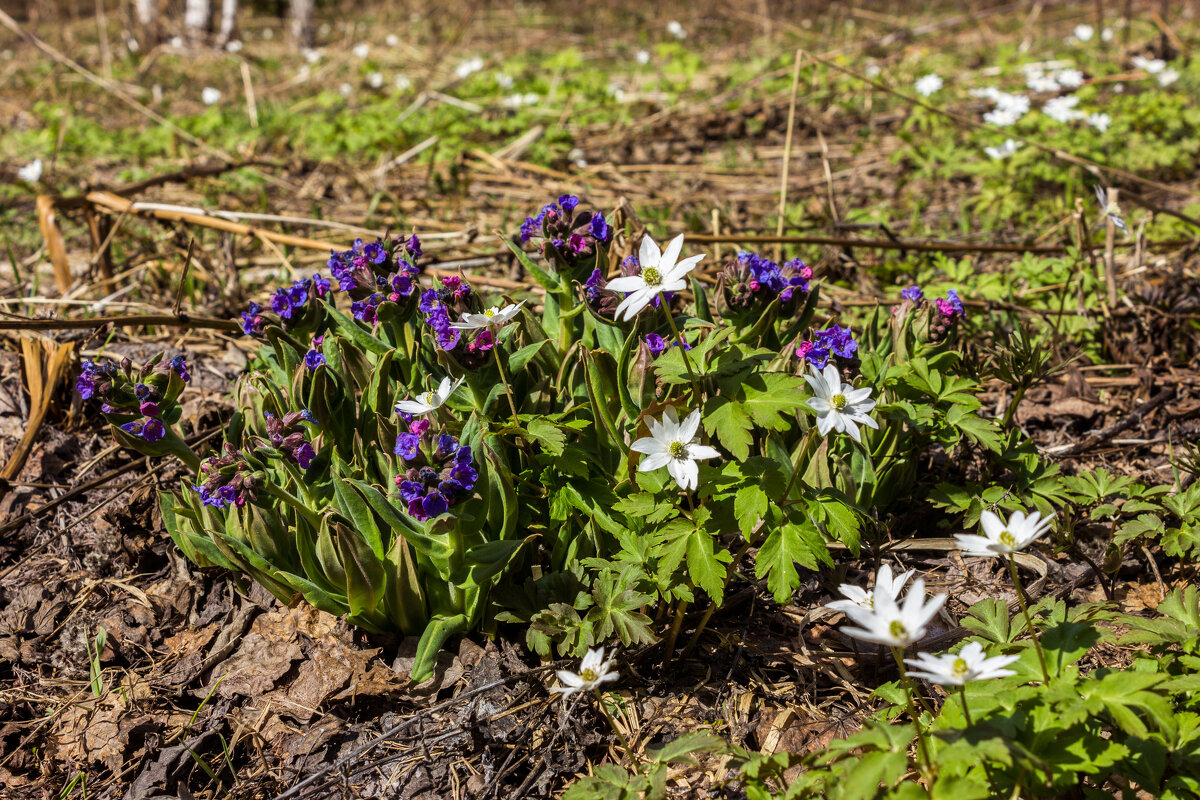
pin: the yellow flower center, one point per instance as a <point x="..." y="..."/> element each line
<point x="677" y="449"/>
<point x="897" y="630"/>
<point x="589" y="674"/>
<point x="428" y="398"/>
<point x="960" y="668"/>
<point x="838" y="401"/>
<point x="1008" y="539"/>
<point x="491" y="312"/>
<point x="651" y="276"/>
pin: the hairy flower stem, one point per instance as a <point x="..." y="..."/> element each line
<point x="910" y="693"/>
<point x="1037" y="645"/>
<point x="687" y="361"/>
<point x="1011" y="411"/>
<point x="512" y="404"/>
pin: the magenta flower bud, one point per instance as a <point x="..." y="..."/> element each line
<point x="148" y="408"/>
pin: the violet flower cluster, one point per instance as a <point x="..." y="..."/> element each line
<point x="135" y="403"/>
<point x="569" y="237"/>
<point x="229" y="481"/>
<point x="437" y="472"/>
<point x="657" y="344"/>
<point x="442" y="307"/>
<point x="944" y="311"/>
<point x="833" y="341"/>
<point x="751" y="280"/>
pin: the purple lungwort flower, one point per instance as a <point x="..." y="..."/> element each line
<point x="599" y="228"/>
<point x="568" y="202"/>
<point x="913" y="294"/>
<point x="438" y="471"/>
<point x="314" y="358"/>
<point x="656" y="344"/>
<point x="407" y="446"/>
<point x="179" y="367"/>
<point x="252" y="320"/>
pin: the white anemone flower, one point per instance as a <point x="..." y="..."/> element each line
<point x="391" y="40"/>
<point x="892" y="624"/>
<point x="1167" y="77"/>
<point x="1150" y="65"/>
<point x="1084" y="33"/>
<point x="858" y="597"/>
<point x="493" y="316"/>
<point x="374" y="80"/>
<point x="468" y="67"/>
<point x="839" y="406"/>
<point x="672" y="444"/>
<point x="593" y="671"/>
<point x="1002" y="117"/>
<point x="1099" y="120"/>
<point x="432" y="399"/>
<point x="970" y="664"/>
<point x="402" y="83"/>
<point x="1003" y="150"/>
<point x="676" y="30"/>
<point x="929" y="84"/>
<point x="642" y="57"/>
<point x="662" y="271"/>
<point x="210" y="96"/>
<point x="362" y="50"/>
<point x="1002" y="538"/>
<point x="31" y="172"/>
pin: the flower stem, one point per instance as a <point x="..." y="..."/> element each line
<point x="1037" y="645"/>
<point x="687" y="361"/>
<point x="512" y="404"/>
<point x="673" y="634"/>
<point x="1011" y="411"/>
<point x="612" y="724"/>
<point x="962" y="695"/>
<point x="910" y="693"/>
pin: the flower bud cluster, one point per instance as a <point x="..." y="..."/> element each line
<point x="751" y="281"/>
<point x="437" y="472"/>
<point x="228" y="480"/>
<point x="287" y="436"/>
<point x="388" y="269"/>
<point x="944" y="311"/>
<point x="569" y="237"/>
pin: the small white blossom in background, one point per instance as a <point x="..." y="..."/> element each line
<point x="304" y="73"/>
<point x="861" y="598"/>
<point x="616" y="91"/>
<point x="1002" y="538"/>
<point x="661" y="271"/>
<point x="346" y="90"/>
<point x="391" y="40"/>
<point x="839" y="406"/>
<point x="374" y="80"/>
<point x="872" y="70"/>
<point x="1150" y="65"/>
<point x="133" y="45"/>
<point x="576" y="157"/>
<point x="31" y="172"/>
<point x="1062" y="109"/>
<point x="312" y="56"/>
<point x="233" y="46"/>
<point x="985" y="93"/>
<point x="1167" y="77"/>
<point x="642" y="57"/>
<point x="402" y="82"/>
<point x="268" y="34"/>
<point x="361" y="50"/>
<point x="929" y="84"/>
<point x="894" y="624"/>
<point x="970" y="664"/>
<point x="594" y="670"/>
<point x="676" y="30"/>
<point x="468" y="67"/>
<point x="1099" y="120"/>
<point x="504" y="80"/>
<point x="517" y="100"/>
<point x="1004" y="149"/>
<point x="1106" y="35"/>
<point x="1038" y="81"/>
<point x="494" y="316"/>
<point x="673" y="444"/>
<point x="432" y="399"/>
<point x="210" y="96"/>
<point x="1083" y="33"/>
<point x="1069" y="78"/>
<point x="1009" y="107"/>
<point x="175" y="42"/>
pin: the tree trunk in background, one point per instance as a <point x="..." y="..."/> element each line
<point x="146" y="13"/>
<point x="301" y="13"/>
<point x="228" y="18"/>
<point x="196" y="14"/>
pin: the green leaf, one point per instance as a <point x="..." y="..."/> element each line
<point x="785" y="547"/>
<point x="547" y="434"/>
<point x="365" y="581"/>
<point x="749" y="505"/>
<point x="729" y="422"/>
<point x="439" y="629"/>
<point x="684" y="539"/>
